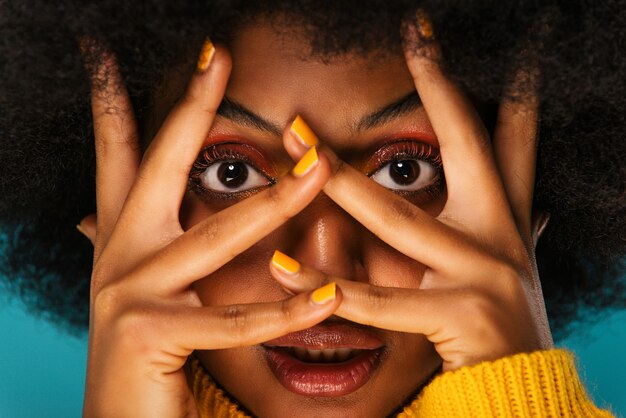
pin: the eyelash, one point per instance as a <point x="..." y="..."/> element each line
<point x="410" y="149"/>
<point x="236" y="151"/>
<point x="225" y="151"/>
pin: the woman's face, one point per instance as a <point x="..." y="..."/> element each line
<point x="366" y="110"/>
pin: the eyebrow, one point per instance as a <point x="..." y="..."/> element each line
<point x="394" y="110"/>
<point x="241" y="115"/>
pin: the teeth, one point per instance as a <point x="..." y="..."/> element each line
<point x="343" y="353"/>
<point x="300" y="352"/>
<point x="327" y="355"/>
<point x="314" y="354"/>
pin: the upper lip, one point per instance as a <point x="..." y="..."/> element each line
<point x="329" y="335"/>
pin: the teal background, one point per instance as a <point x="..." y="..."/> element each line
<point x="42" y="369"/>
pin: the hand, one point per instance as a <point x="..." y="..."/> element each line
<point x="480" y="298"/>
<point x="145" y="319"/>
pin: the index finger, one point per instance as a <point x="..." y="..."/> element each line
<point x="471" y="175"/>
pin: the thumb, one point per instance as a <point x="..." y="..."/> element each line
<point x="87" y="227"/>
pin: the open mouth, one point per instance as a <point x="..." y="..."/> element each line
<point x="325" y="356"/>
<point x="329" y="359"/>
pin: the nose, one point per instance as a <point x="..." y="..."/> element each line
<point x="327" y="238"/>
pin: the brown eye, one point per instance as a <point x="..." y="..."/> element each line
<point x="232" y="176"/>
<point x="410" y="174"/>
<point x="404" y="172"/>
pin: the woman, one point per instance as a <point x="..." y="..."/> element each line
<point x="395" y="276"/>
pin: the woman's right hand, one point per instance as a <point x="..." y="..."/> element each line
<point x="145" y="319"/>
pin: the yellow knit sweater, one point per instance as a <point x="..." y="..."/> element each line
<point x="539" y="384"/>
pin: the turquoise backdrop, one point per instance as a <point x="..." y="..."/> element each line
<point x="42" y="369"/>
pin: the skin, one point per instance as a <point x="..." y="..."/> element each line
<point x="447" y="280"/>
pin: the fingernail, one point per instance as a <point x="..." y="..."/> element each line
<point x="80" y="229"/>
<point x="206" y="55"/>
<point x="324" y="294"/>
<point x="285" y="263"/>
<point x="303" y="133"/>
<point x="306" y="163"/>
<point x="424" y="26"/>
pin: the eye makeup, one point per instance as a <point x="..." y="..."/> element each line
<point x="394" y="151"/>
<point x="412" y="150"/>
<point x="399" y="149"/>
<point x="231" y="151"/>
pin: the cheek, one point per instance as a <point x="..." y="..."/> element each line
<point x="193" y="210"/>
<point x="245" y="279"/>
<point x="389" y="268"/>
<point x="436" y="205"/>
<point x="433" y="205"/>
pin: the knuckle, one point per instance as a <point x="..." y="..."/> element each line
<point x="107" y="299"/>
<point x="209" y="231"/>
<point x="236" y="318"/>
<point x="134" y="327"/>
<point x="377" y="298"/>
<point x="286" y="313"/>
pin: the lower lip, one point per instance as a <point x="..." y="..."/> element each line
<point x="322" y="379"/>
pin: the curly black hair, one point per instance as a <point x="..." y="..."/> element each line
<point x="47" y="161"/>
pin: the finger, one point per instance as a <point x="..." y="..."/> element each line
<point x="397" y="309"/>
<point x="424" y="311"/>
<point x="212" y="243"/>
<point x="164" y="172"/>
<point x="538" y="226"/>
<point x="471" y="175"/>
<point x="87" y="227"/>
<point x="219" y="327"/>
<point x="116" y="136"/>
<point x="392" y="218"/>
<point x="515" y="148"/>
<point x="294" y="277"/>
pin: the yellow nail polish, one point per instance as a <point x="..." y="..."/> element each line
<point x="206" y="55"/>
<point x="285" y="263"/>
<point x="424" y="25"/>
<point x="306" y="163"/>
<point x="304" y="134"/>
<point x="324" y="294"/>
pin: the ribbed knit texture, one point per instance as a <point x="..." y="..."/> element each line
<point x="212" y="402"/>
<point x="540" y="384"/>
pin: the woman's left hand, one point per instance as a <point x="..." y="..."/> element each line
<point x="480" y="298"/>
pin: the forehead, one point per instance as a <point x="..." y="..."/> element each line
<point x="275" y="74"/>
